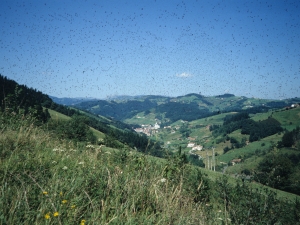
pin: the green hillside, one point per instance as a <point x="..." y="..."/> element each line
<point x="58" y="116"/>
<point x="55" y="168"/>
<point x="197" y="124"/>
<point x="49" y="180"/>
<point x="170" y="109"/>
<point x="202" y="132"/>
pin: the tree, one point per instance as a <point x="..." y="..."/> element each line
<point x="287" y="139"/>
<point x="274" y="171"/>
<point x="226" y="149"/>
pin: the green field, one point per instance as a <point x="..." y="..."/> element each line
<point x="58" y="116"/>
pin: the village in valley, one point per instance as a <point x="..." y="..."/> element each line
<point x="193" y="144"/>
<point x="151" y="130"/>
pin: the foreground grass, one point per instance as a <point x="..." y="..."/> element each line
<point x="44" y="180"/>
<point x="53" y="182"/>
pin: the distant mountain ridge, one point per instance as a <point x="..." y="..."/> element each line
<point x="170" y="109"/>
<point x="71" y="101"/>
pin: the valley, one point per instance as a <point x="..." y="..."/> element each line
<point x="68" y="164"/>
<point x="205" y="133"/>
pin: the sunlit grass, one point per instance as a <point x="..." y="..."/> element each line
<point x="60" y="183"/>
<point x="58" y="116"/>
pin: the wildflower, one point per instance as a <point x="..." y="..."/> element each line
<point x="56" y="214"/>
<point x="82" y="222"/>
<point x="80" y="163"/>
<point x="163" y="180"/>
<point x="65" y="168"/>
<point x="89" y="146"/>
<point x="47" y="216"/>
<point x="64" y="201"/>
<point x="73" y="206"/>
<point x="45" y="192"/>
<point x="60" y="193"/>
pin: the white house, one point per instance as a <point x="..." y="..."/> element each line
<point x="156" y="126"/>
<point x="197" y="147"/>
<point x="190" y="145"/>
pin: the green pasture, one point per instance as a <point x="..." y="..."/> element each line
<point x="57" y="116"/>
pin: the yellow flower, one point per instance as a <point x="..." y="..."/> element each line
<point x="64" y="201"/>
<point x="45" y="192"/>
<point x="73" y="206"/>
<point x="47" y="216"/>
<point x="61" y="193"/>
<point x="56" y="214"/>
<point x="82" y="222"/>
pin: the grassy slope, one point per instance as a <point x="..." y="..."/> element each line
<point x="141" y="118"/>
<point x="58" y="116"/>
<point x="249" y="151"/>
<point x="289" y="119"/>
<point x="71" y="183"/>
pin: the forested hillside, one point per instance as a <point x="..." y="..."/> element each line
<point x="189" y="107"/>
<point x="266" y="150"/>
<point x="26" y="102"/>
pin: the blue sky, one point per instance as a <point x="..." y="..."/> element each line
<point x="105" y="48"/>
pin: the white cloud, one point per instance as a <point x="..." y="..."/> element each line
<point x="184" y="75"/>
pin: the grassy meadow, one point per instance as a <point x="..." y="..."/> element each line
<point x="47" y="180"/>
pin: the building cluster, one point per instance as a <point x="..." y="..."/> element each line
<point x="148" y="129"/>
<point x="194" y="146"/>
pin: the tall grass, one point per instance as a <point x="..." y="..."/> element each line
<point x="48" y="181"/>
<point x="44" y="180"/>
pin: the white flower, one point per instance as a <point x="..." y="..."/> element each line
<point x="89" y="146"/>
<point x="65" y="168"/>
<point x="163" y="180"/>
<point x="80" y="163"/>
<point x="54" y="162"/>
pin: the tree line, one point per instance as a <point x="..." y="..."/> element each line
<point x="22" y="101"/>
<point x="256" y="129"/>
